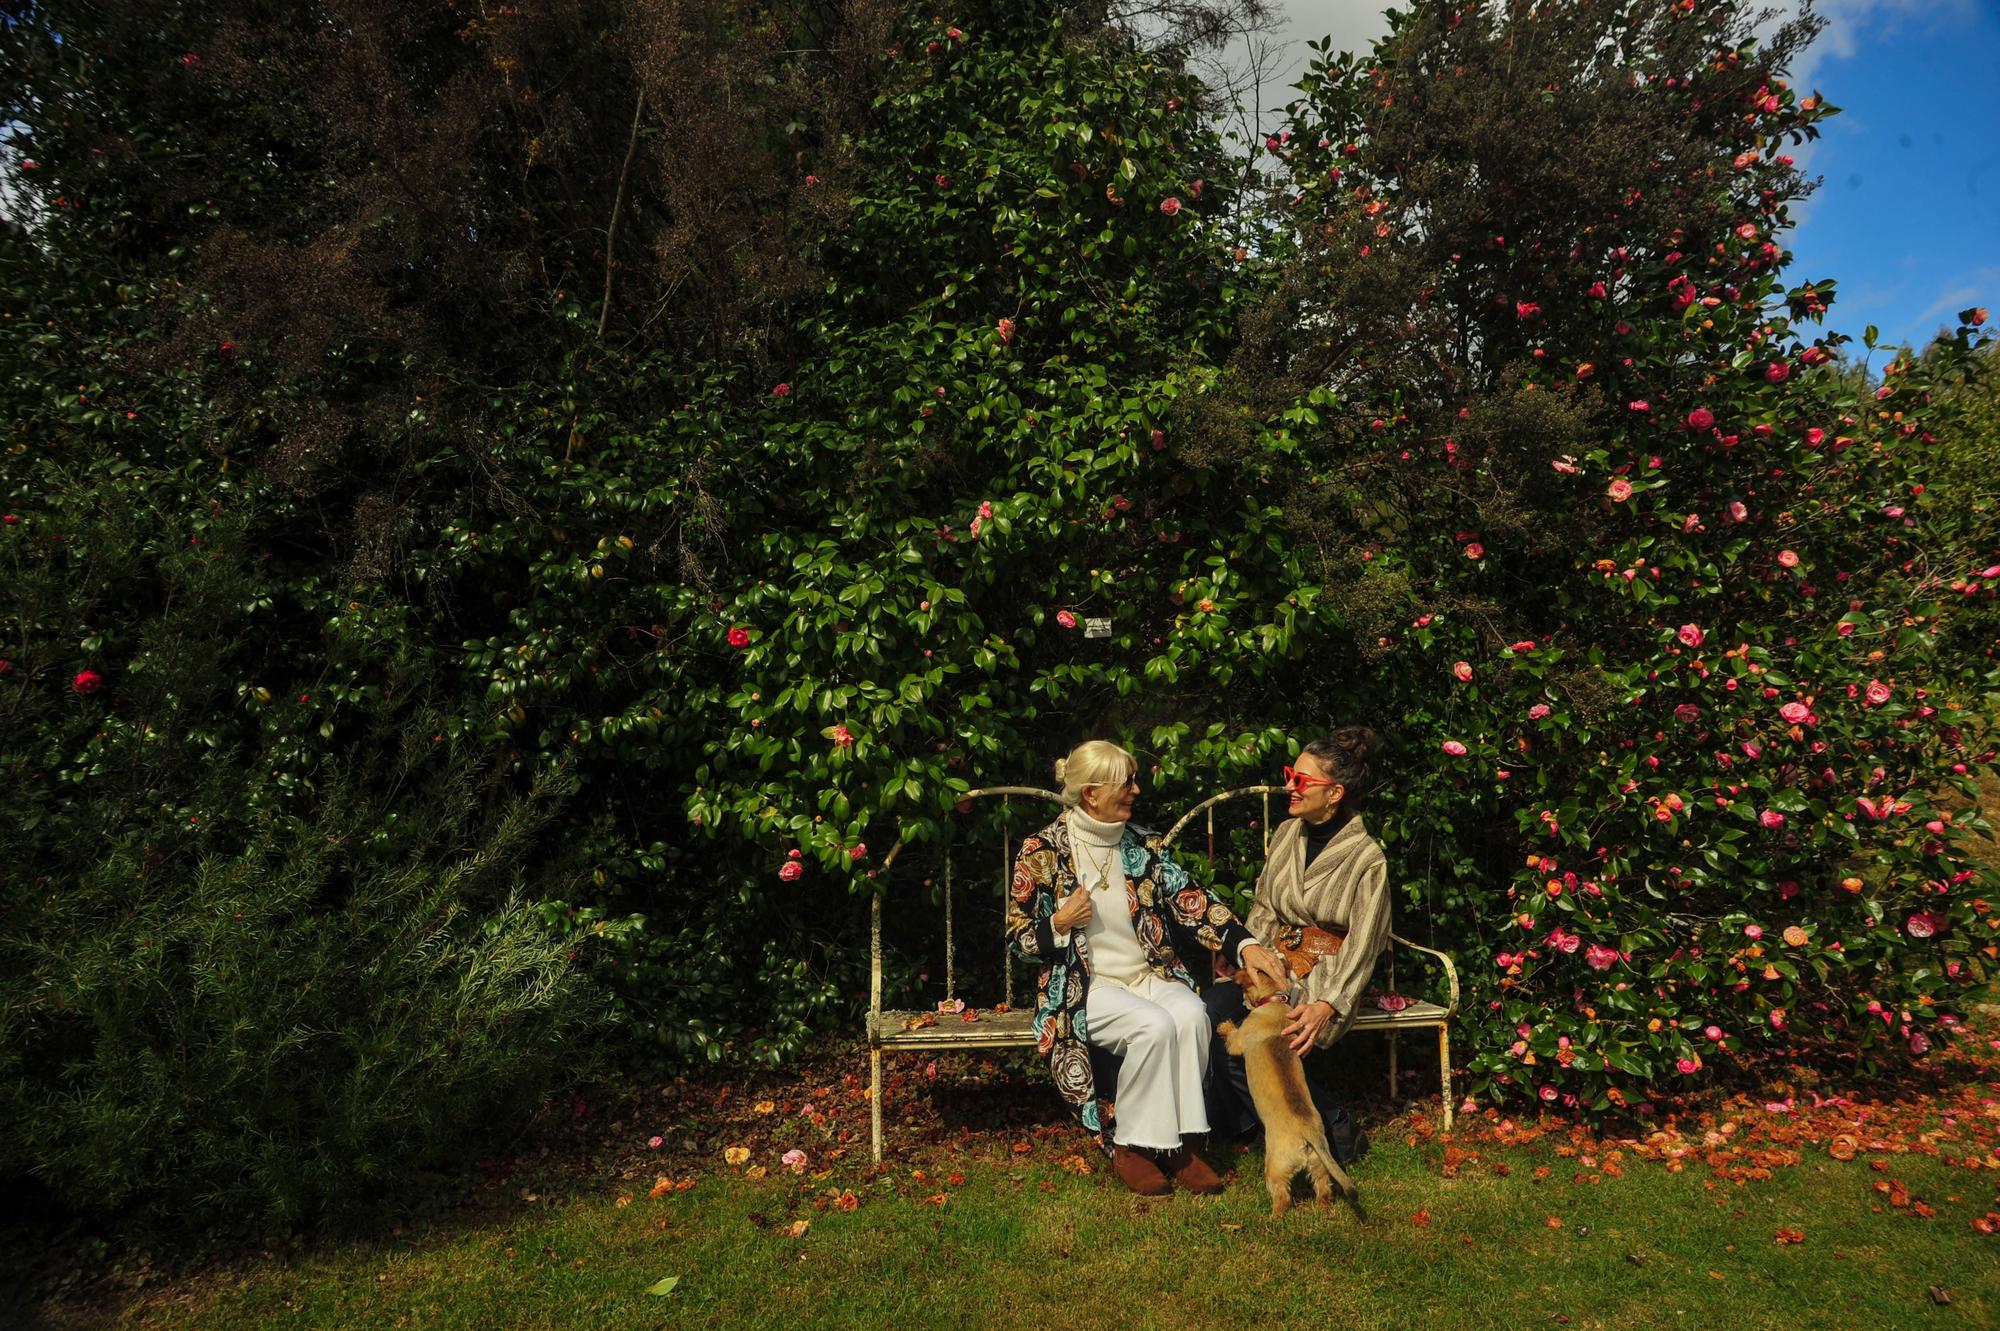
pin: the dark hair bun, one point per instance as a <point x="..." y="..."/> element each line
<point x="1349" y="757"/>
<point x="1358" y="744"/>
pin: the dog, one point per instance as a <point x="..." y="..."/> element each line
<point x="1294" y="1135"/>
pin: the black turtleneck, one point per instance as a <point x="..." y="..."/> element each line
<point x="1318" y="835"/>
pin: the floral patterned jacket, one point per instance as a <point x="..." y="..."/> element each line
<point x="1171" y="914"/>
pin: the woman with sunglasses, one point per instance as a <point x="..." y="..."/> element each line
<point x="1323" y="902"/>
<point x="1108" y="915"/>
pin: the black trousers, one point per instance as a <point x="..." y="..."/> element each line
<point x="1232" y="1113"/>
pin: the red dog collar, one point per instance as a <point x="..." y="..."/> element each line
<point x="1270" y="998"/>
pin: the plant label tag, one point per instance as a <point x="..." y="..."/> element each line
<point x="1097" y="628"/>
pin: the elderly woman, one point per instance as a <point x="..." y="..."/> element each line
<point x="1107" y="915"/>
<point x="1323" y="903"/>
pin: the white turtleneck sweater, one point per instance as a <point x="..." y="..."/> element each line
<point x="1115" y="953"/>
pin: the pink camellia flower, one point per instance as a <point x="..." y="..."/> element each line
<point x="1712" y="1032"/>
<point x="1845" y="628"/>
<point x="794" y="1160"/>
<point x="1753" y="931"/>
<point x="1794" y="712"/>
<point x="1919" y="1042"/>
<point x="1690" y="635"/>
<point x="1921" y="925"/>
<point x="782" y="390"/>
<point x="1771" y="819"/>
<point x="1620" y="490"/>
<point x="1548" y="1094"/>
<point x="1524" y="645"/>
<point x="1738" y="512"/>
<point x="1564" y="468"/>
<point x="1454" y="748"/>
<point x="791" y="871"/>
<point x="30" y="164"/>
<point x="1815" y="437"/>
<point x="1685" y="1066"/>
<point x="1687" y="713"/>
<point x="1692" y="521"/>
<point x="87" y="682"/>
<point x="192" y="62"/>
<point x="1978" y="315"/>
<point x="1475" y="551"/>
<point x="1789" y="558"/>
<point x="1538" y="711"/>
<point x="1392" y="1002"/>
<point x="1701" y="418"/>
<point x="1526" y="309"/>
<point x="1777" y="372"/>
<point x="1597" y="290"/>
<point x="739" y="637"/>
<point x="1462" y="669"/>
<point x="1170" y="206"/>
<point x="1599" y="957"/>
<point x="1639" y="404"/>
<point x="1878" y="693"/>
<point x="1066" y="619"/>
<point x="1777" y="1018"/>
<point x="1006" y="330"/>
<point x="858" y="851"/>
<point x="842" y="736"/>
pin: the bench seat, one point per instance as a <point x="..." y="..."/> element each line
<point x="891" y="1032"/>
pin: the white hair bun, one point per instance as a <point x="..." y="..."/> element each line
<point x="1062" y="766"/>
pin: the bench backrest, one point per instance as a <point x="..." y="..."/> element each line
<point x="1201" y="815"/>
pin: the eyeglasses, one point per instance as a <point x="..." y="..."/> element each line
<point x="1301" y="782"/>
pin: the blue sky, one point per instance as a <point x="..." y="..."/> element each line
<point x="1907" y="220"/>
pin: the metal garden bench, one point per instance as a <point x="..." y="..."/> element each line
<point x="914" y="1032"/>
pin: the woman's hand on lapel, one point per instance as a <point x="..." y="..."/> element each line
<point x="1072" y="910"/>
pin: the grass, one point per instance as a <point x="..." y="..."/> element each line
<point x="1028" y="1237"/>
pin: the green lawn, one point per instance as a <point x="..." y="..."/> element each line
<point x="1023" y="1240"/>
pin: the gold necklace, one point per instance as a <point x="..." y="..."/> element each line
<point x="1103" y="868"/>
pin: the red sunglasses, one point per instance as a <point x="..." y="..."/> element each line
<point x="1301" y="782"/>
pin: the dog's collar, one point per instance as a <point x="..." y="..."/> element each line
<point x="1270" y="998"/>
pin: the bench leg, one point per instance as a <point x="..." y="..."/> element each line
<point x="1392" y="1067"/>
<point x="1444" y="1071"/>
<point x="875" y="1100"/>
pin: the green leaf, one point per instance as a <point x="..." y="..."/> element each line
<point x="665" y="1286"/>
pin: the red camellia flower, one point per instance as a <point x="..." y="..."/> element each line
<point x="1170" y="206"/>
<point x="1597" y="290"/>
<point x="1920" y="925"/>
<point x="1475" y="551"/>
<point x="191" y="62"/>
<point x="1687" y="713"/>
<point x="1527" y="309"/>
<point x="6" y="667"/>
<point x="1639" y="404"/>
<point x="739" y="636"/>
<point x="1772" y="819"/>
<point x="87" y="682"/>
<point x="1701" y="418"/>
<point x="1066" y="619"/>
<point x="1789" y="558"/>
<point x="1620" y="490"/>
<point x="1777" y="372"/>
<point x="792" y="871"/>
<point x="782" y="390"/>
<point x="1006" y="330"/>
<point x="843" y="736"/>
<point x="1600" y="957"/>
<point x="858" y="851"/>
<point x="1690" y="635"/>
<point x="1454" y="748"/>
<point x="1878" y="693"/>
<point x="1462" y="669"/>
<point x="1978" y="315"/>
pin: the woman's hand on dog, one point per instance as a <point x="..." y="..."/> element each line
<point x="1305" y="1024"/>
<point x="1262" y="959"/>
<point x="1075" y="909"/>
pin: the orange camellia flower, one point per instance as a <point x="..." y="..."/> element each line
<point x="1795" y="936"/>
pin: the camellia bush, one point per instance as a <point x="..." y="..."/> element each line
<point x="1649" y="596"/>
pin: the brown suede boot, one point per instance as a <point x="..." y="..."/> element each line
<point x="1136" y="1170"/>
<point x="1192" y="1172"/>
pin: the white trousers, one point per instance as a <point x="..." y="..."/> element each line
<point x="1160" y="1028"/>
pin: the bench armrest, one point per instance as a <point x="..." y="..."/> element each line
<point x="1450" y="970"/>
